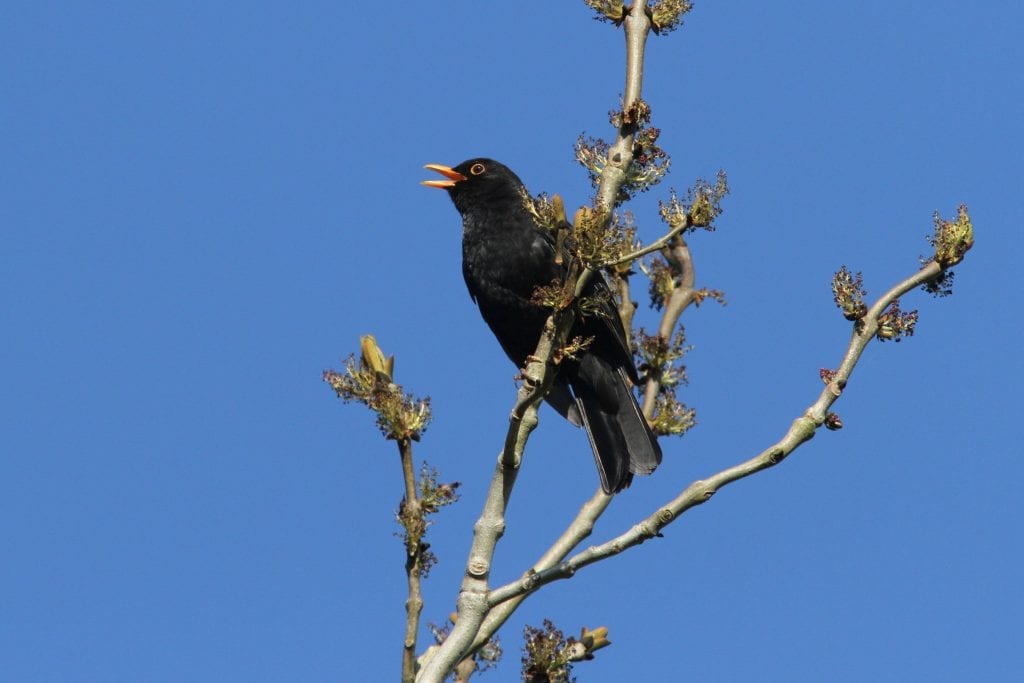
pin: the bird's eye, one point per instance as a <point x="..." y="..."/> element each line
<point x="477" y="169"/>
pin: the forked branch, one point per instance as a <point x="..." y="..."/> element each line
<point x="552" y="568"/>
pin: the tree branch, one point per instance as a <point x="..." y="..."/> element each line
<point x="413" y="565"/>
<point x="654" y="246"/>
<point x="620" y="155"/>
<point x="579" y="529"/>
<point x="801" y="430"/>
<point x="682" y="296"/>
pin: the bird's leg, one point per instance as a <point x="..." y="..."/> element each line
<point x="523" y="374"/>
<point x="531" y="359"/>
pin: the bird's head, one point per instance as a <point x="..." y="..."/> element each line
<point x="479" y="183"/>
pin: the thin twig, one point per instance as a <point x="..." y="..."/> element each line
<point x="413" y="566"/>
<point x="682" y="296"/>
<point x="654" y="246"/>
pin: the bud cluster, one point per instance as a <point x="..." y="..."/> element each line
<point x="399" y="415"/>
<point x="848" y="292"/>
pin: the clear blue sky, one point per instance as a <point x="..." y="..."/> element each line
<point x="204" y="204"/>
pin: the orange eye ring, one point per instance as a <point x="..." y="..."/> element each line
<point x="477" y="169"/>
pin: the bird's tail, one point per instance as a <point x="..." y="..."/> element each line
<point x="622" y="442"/>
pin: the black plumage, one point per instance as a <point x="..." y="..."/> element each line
<point x="505" y="257"/>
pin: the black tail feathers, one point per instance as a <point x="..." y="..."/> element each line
<point x="622" y="442"/>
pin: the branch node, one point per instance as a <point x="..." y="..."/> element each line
<point x="835" y="388"/>
<point x="702" y="491"/>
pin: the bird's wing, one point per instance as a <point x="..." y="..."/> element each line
<point x="606" y="326"/>
<point x="609" y="332"/>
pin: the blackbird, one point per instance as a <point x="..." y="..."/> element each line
<point x="506" y="256"/>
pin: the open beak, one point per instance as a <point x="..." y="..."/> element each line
<point x="448" y="172"/>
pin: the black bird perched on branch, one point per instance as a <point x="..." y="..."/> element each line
<point x="506" y="256"/>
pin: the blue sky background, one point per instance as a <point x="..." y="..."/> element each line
<point x="204" y="204"/>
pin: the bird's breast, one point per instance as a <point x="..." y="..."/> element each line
<point x="515" y="261"/>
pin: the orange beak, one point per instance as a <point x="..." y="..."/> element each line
<point x="448" y="172"/>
